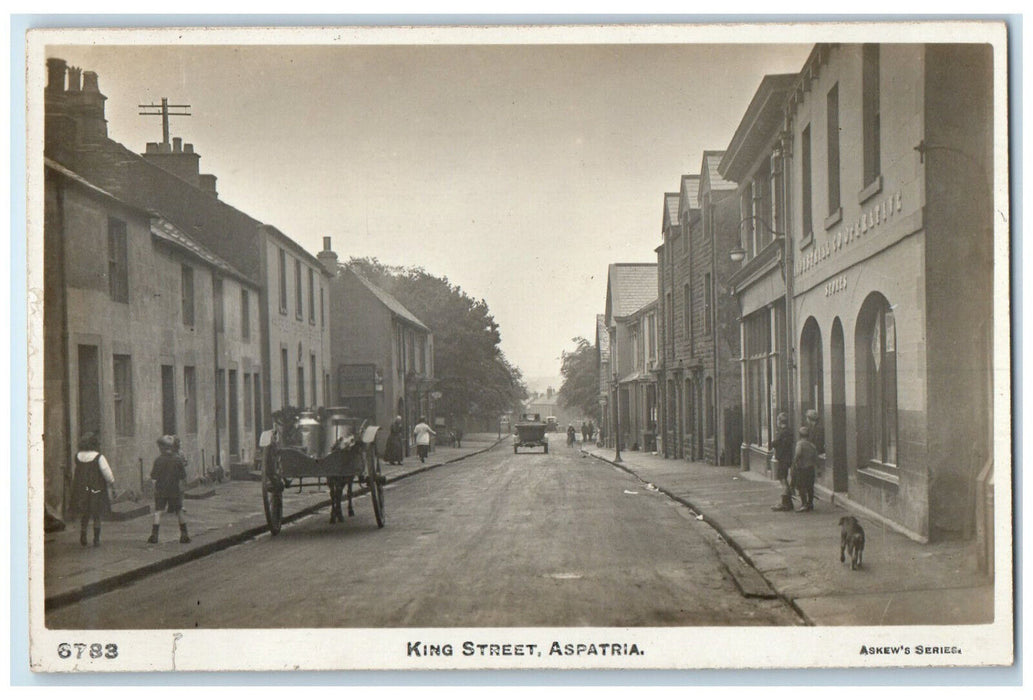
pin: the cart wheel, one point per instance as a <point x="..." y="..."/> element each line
<point x="272" y="495"/>
<point x="375" y="483"/>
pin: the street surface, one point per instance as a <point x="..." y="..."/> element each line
<point x="497" y="540"/>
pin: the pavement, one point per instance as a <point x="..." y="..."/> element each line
<point x="218" y="515"/>
<point x="901" y="581"/>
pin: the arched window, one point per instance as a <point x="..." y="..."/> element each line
<point x="876" y="362"/>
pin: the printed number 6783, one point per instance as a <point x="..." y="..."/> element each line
<point x="79" y="650"/>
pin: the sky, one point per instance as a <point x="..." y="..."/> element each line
<point x="519" y="172"/>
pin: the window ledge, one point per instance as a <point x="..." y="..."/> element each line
<point x="833" y="218"/>
<point x="870" y="190"/>
<point x="880" y="475"/>
<point x="807" y="239"/>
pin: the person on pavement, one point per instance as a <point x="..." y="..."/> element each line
<point x="169" y="474"/>
<point x="422" y="432"/>
<point x="90" y="483"/>
<point x="805" y="464"/>
<point x="394" y="451"/>
<point x="571" y="436"/>
<point x="783" y="447"/>
<point x="817" y="435"/>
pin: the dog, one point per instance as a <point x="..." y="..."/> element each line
<point x="851" y="539"/>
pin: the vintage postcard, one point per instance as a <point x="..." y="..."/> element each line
<point x="526" y="347"/>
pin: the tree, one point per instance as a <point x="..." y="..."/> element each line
<point x="470" y="370"/>
<point x="580" y="370"/>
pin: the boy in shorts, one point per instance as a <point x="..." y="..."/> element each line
<point x="169" y="473"/>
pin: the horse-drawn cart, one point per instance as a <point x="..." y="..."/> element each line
<point x="328" y="447"/>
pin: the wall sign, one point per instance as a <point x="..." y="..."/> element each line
<point x="871" y="218"/>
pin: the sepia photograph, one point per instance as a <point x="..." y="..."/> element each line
<point x="669" y="346"/>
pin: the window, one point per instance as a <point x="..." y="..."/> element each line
<point x="805" y="183"/>
<point x="123" y="394"/>
<point x="299" y="303"/>
<point x="832" y="112"/>
<point x="870" y="113"/>
<point x="708" y="303"/>
<point x="190" y="399"/>
<point x="248" y="401"/>
<point x="421" y="354"/>
<point x="234" y="415"/>
<point x="220" y="319"/>
<point x="89" y="390"/>
<point x="311" y="296"/>
<point x="812" y="375"/>
<point x="283" y="280"/>
<point x="220" y="398"/>
<point x="285" y="379"/>
<point x="186" y="277"/>
<point x="322" y="309"/>
<point x="758" y="378"/>
<point x="687" y="301"/>
<point x="877" y="380"/>
<point x="118" y="261"/>
<point x="313" y="377"/>
<point x="762" y="205"/>
<point x="245" y="314"/>
<point x="710" y="426"/>
<point x="301" y="385"/>
<point x="168" y="400"/>
<point x="670" y="324"/>
<point x="651" y="335"/>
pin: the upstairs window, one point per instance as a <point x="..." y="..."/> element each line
<point x="245" y="314"/>
<point x="220" y="322"/>
<point x="283" y="280"/>
<point x="832" y="114"/>
<point x="186" y="277"/>
<point x="118" y="261"/>
<point x="311" y="298"/>
<point x="122" y="395"/>
<point x="870" y="113"/>
<point x="299" y="301"/>
<point x="807" y="204"/>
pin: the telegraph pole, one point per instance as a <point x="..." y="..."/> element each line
<point x="164" y="113"/>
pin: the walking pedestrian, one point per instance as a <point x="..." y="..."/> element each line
<point x="571" y="435"/>
<point x="169" y="475"/>
<point x="394" y="451"/>
<point x="90" y="484"/>
<point x="584" y="432"/>
<point x="591" y="430"/>
<point x="422" y="432"/>
<point x="459" y="437"/>
<point x="783" y="447"/>
<point x="805" y="464"/>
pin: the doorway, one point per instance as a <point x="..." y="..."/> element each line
<point x="840" y="479"/>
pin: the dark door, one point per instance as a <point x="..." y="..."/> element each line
<point x="168" y="400"/>
<point x="838" y="447"/>
<point x="259" y="426"/>
<point x="89" y="390"/>
<point x="233" y="417"/>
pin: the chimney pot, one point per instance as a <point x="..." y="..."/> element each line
<point x="326" y="242"/>
<point x="177" y="144"/>
<point x="89" y="81"/>
<point x="188" y="148"/>
<point x="74" y="76"/>
<point x="152" y="146"/>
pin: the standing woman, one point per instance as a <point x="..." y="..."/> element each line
<point x="90" y="486"/>
<point x="393" y="451"/>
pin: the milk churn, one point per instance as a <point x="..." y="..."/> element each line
<point x="309" y="429"/>
<point x="337" y="425"/>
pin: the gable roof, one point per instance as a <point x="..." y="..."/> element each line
<point x="671" y="209"/>
<point x="629" y="287"/>
<point x="688" y="195"/>
<point x="710" y="179"/>
<point x="761" y="122"/>
<point x="385" y="298"/>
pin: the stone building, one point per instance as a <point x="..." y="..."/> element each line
<point x="890" y="165"/>
<point x="629" y="288"/>
<point x="754" y="160"/>
<point x="382" y="355"/>
<point x="261" y="309"/>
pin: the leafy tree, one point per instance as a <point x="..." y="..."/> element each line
<point x="470" y="370"/>
<point x="580" y="370"/>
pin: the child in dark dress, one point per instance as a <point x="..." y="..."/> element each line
<point x="783" y="447"/>
<point x="90" y="484"/>
<point x="169" y="473"/>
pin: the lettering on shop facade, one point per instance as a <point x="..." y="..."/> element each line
<point x="870" y="218"/>
<point x="835" y="286"/>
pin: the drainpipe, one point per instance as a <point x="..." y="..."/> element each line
<point x="215" y="346"/>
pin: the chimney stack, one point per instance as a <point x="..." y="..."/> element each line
<point x="328" y="257"/>
<point x="206" y="183"/>
<point x="177" y="144"/>
<point x="89" y="82"/>
<point x="74" y="78"/>
<point x="56" y="74"/>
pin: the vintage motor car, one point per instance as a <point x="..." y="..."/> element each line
<point x="530" y="432"/>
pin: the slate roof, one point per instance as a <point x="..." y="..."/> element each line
<point x="689" y="195"/>
<point x="671" y="208"/>
<point x="392" y="304"/>
<point x="710" y="179"/>
<point x="630" y="287"/>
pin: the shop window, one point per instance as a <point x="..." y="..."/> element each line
<point x="876" y="358"/>
<point x="759" y="379"/>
